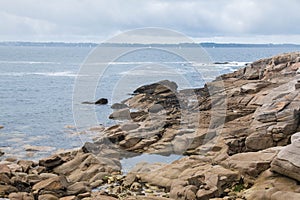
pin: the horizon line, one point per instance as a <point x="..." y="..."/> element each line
<point x="144" y="44"/>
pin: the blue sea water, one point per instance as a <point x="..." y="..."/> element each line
<point x="37" y="86"/>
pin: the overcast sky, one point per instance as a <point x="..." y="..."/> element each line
<point x="247" y="21"/>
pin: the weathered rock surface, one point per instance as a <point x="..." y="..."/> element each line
<point x="272" y="186"/>
<point x="287" y="161"/>
<point x="230" y="132"/>
<point x="251" y="164"/>
<point x="62" y="175"/>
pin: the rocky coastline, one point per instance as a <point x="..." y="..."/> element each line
<point x="239" y="136"/>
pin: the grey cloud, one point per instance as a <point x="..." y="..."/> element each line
<point x="61" y="19"/>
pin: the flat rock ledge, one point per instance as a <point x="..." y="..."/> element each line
<point x="287" y="162"/>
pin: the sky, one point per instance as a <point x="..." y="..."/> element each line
<point x="223" y="21"/>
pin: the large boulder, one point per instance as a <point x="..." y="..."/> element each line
<point x="55" y="185"/>
<point x="159" y="87"/>
<point x="287" y="161"/>
<point x="251" y="164"/>
<point x="273" y="186"/>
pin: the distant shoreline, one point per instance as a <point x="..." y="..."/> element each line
<point x="205" y="45"/>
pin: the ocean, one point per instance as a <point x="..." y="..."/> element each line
<point x="37" y="87"/>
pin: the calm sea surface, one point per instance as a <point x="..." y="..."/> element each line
<point x="37" y="84"/>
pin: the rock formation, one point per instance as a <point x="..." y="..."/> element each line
<point x="234" y="135"/>
<point x="287" y="161"/>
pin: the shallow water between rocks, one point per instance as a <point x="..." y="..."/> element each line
<point x="129" y="163"/>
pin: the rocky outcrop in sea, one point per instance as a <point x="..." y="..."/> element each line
<point x="238" y="138"/>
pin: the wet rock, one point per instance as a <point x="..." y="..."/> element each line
<point x="118" y="106"/>
<point x="129" y="126"/>
<point x="120" y="114"/>
<point x="1" y="127"/>
<point x="37" y="148"/>
<point x="158" y="87"/>
<point x="101" y="101"/>
<point x="51" y="162"/>
<point x="11" y="159"/>
<point x="287" y="161"/>
<point x="97" y="128"/>
<point x="155" y="108"/>
<point x="138" y="116"/>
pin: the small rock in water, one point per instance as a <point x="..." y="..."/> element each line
<point x="1" y="127"/>
<point x="88" y="102"/>
<point x="1" y="153"/>
<point x="101" y="101"/>
<point x="97" y="128"/>
<point x="70" y="127"/>
<point x="37" y="148"/>
<point x="118" y="106"/>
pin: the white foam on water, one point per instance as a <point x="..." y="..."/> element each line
<point x="58" y="74"/>
<point x="28" y="62"/>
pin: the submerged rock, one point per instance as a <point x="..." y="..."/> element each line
<point x="1" y="153"/>
<point x="101" y="101"/>
<point x="118" y="106"/>
<point x="37" y="148"/>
